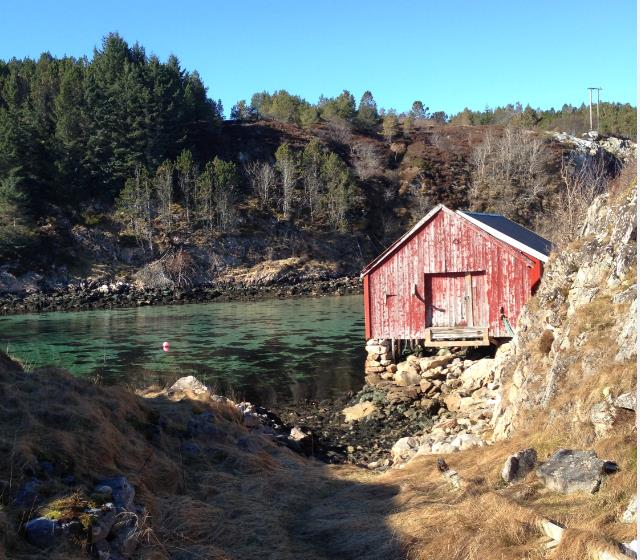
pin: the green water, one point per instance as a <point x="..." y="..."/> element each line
<point x="266" y="351"/>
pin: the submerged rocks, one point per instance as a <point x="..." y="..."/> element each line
<point x="568" y="471"/>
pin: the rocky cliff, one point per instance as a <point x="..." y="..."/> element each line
<point x="574" y="351"/>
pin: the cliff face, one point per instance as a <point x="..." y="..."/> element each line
<point x="575" y="347"/>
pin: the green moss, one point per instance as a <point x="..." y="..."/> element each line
<point x="70" y="507"/>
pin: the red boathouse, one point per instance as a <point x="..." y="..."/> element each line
<point x="456" y="278"/>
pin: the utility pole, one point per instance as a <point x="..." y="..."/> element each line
<point x="598" y="89"/>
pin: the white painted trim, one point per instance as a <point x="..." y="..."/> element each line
<point x="503" y="237"/>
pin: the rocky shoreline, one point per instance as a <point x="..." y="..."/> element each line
<point x="437" y="403"/>
<point x="95" y="295"/>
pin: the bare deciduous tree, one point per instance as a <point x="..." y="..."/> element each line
<point x="163" y="183"/>
<point x="508" y="174"/>
<point x="262" y="177"/>
<point x="287" y="165"/>
<point x="582" y="181"/>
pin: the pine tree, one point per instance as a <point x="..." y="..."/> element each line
<point x="367" y="116"/>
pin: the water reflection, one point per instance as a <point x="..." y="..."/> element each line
<point x="265" y="351"/>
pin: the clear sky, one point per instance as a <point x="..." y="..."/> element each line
<point x="447" y="53"/>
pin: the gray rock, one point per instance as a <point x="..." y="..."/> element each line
<point x="103" y="520"/>
<point x="630" y="514"/>
<point x="189" y="383"/>
<point x="626" y="400"/>
<point x="103" y="491"/>
<point x="122" y="491"/>
<point x="406" y="378"/>
<point x="603" y="416"/>
<point x="43" y="532"/>
<point x="518" y="465"/>
<point x="568" y="471"/>
<point x="300" y="441"/>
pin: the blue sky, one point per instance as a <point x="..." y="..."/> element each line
<point x="450" y="54"/>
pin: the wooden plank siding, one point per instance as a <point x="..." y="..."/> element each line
<point x="438" y="256"/>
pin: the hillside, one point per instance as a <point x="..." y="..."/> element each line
<point x="121" y="169"/>
<point x="391" y="186"/>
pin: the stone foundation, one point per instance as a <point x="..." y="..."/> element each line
<point x="379" y="363"/>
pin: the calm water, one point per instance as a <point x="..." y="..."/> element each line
<point x="266" y="351"/>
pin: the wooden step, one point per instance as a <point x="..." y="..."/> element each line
<point x="457" y="336"/>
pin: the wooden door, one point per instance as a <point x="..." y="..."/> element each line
<point x="456" y="299"/>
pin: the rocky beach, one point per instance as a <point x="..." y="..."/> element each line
<point x="100" y="295"/>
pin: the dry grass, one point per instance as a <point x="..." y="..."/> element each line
<point x="226" y="502"/>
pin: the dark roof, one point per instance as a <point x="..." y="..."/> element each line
<point x="513" y="230"/>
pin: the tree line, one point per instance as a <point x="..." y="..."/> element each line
<point x="73" y="130"/>
<point x="312" y="186"/>
<point x="615" y="118"/>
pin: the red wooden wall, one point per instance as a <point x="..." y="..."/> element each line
<point x="502" y="278"/>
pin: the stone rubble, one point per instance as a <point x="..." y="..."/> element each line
<point x="460" y="393"/>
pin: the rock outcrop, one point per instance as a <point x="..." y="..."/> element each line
<point x="579" y="330"/>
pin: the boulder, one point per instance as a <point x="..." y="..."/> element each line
<point x="42" y="532"/>
<point x="568" y="471"/>
<point x="404" y="449"/>
<point x="452" y="401"/>
<point x="443" y="447"/>
<point x="121" y="490"/>
<point x="373" y="378"/>
<point x="435" y="361"/>
<point x="425" y="385"/>
<point x="518" y="465"/>
<point x="301" y="440"/>
<point x="407" y="377"/>
<point x="466" y="441"/>
<point x="375" y="349"/>
<point x="626" y="400"/>
<point x="189" y="384"/>
<point x="359" y="411"/>
<point x="478" y="374"/>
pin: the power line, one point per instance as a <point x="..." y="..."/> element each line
<point x="598" y="89"/>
